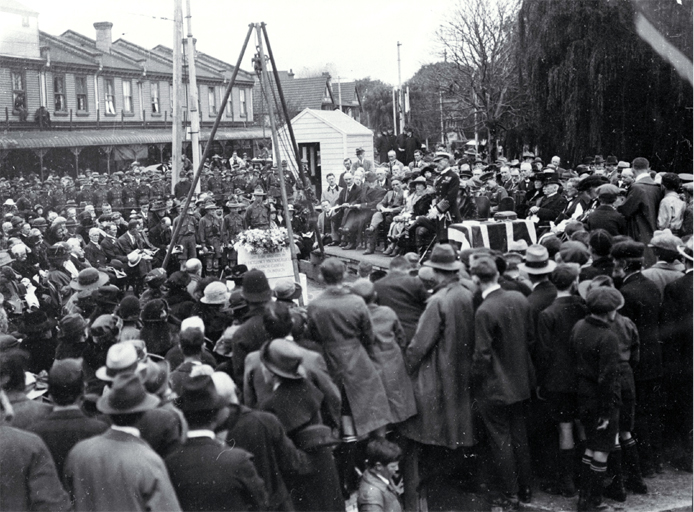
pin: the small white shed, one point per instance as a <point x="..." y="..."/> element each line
<point x="325" y="139"/>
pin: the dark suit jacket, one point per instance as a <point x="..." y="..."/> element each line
<point x="642" y="306"/>
<point x="127" y="245"/>
<point x="676" y="328"/>
<point x="112" y="250"/>
<point x="641" y="209"/>
<point x="209" y="475"/>
<point x="62" y="430"/>
<point x="407" y="296"/>
<point x="29" y="479"/>
<point x="447" y="186"/>
<point x="541" y="297"/>
<point x="503" y="334"/>
<point x="274" y="454"/>
<point x="551" y="207"/>
<point x="162" y="428"/>
<point x="607" y="218"/>
<point x="96" y="255"/>
<point x="349" y="196"/>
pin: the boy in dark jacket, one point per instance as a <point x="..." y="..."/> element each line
<point x="596" y="352"/>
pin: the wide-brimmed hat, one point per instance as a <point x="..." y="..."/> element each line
<point x="157" y="206"/>
<point x="127" y="396"/>
<point x="121" y="358"/>
<point x="283" y="358"/>
<point x="199" y="394"/>
<point x="537" y="261"/>
<point x="210" y="205"/>
<point x="255" y="286"/>
<point x="35" y="322"/>
<point x="443" y="258"/>
<point x="665" y="240"/>
<point x="108" y="294"/>
<point x="89" y="279"/>
<point x="259" y="192"/>
<point x="440" y="155"/>
<point x="687" y="250"/>
<point x="5" y="258"/>
<point x="287" y="289"/>
<point x="215" y="293"/>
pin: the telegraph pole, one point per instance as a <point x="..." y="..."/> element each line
<point x="401" y="105"/>
<point x="278" y="158"/>
<point x="176" y="114"/>
<point x="193" y="93"/>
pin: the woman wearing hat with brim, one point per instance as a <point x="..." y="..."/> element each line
<point x="287" y="290"/>
<point x="89" y="279"/>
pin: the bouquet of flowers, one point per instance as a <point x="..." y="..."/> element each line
<point x="262" y="241"/>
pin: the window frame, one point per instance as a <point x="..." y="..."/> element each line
<point x="211" y="101"/>
<point x="112" y="82"/>
<point x="83" y="78"/>
<point x="154" y="86"/>
<point x="230" y="105"/>
<point x="22" y="74"/>
<point x="125" y="102"/>
<point x="56" y="94"/>
<point x="243" y="103"/>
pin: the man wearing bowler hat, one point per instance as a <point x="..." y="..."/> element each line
<point x="206" y="473"/>
<point x="118" y="470"/>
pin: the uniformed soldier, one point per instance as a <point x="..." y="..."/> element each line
<point x="258" y="214"/>
<point x="210" y="237"/>
<point x="233" y="222"/>
<point x="128" y="193"/>
<point x="446" y="186"/>
<point x="143" y="192"/>
<point x="272" y="183"/>
<point x="188" y="233"/>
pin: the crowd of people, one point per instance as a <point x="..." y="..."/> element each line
<point x="562" y="367"/>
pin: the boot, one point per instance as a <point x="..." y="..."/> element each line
<point x="632" y="468"/>
<point x="389" y="250"/>
<point x="585" y="483"/>
<point x="370" y="244"/>
<point x="595" y="502"/>
<point x="351" y="241"/>
<point x="615" y="489"/>
<point x="567" y="488"/>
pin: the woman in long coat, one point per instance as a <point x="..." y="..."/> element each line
<point x="340" y="322"/>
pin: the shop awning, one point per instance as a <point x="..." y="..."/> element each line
<point x="85" y="138"/>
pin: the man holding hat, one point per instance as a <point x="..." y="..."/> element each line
<point x="118" y="470"/>
<point x="206" y="473"/>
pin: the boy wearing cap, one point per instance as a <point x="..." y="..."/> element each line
<point x="117" y="470"/>
<point x="596" y="351"/>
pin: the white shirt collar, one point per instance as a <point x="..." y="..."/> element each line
<point x="201" y="433"/>
<point x="128" y="430"/>
<point x="489" y="290"/>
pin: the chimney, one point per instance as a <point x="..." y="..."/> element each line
<point x="291" y="73"/>
<point x="103" y="36"/>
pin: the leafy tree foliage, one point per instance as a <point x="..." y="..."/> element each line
<point x="597" y="88"/>
<point x="377" y="103"/>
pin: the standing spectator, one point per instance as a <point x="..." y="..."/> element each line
<point x="502" y="369"/>
<point x="206" y="473"/>
<point x="606" y="216"/>
<point x="668" y="268"/>
<point x="642" y="305"/>
<point x="13" y="364"/>
<point x="376" y="490"/>
<point x="117" y="470"/>
<point x="671" y="209"/>
<point x="597" y="369"/>
<point x="641" y="206"/>
<point x="539" y="267"/>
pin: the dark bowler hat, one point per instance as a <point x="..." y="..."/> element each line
<point x="628" y="250"/>
<point x="443" y="258"/>
<point x="611" y="160"/>
<point x="199" y="394"/>
<point x="256" y="287"/>
<point x="127" y="396"/>
<point x="283" y="358"/>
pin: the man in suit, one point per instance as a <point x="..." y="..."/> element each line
<point x="94" y="253"/>
<point x="501" y="366"/>
<point x="66" y="425"/>
<point x="117" y="470"/>
<point x="552" y="202"/>
<point x="348" y="195"/>
<point x="361" y="211"/>
<point x="606" y="216"/>
<point x="539" y="267"/>
<point x="642" y="305"/>
<point x="362" y="161"/>
<point x="206" y="473"/>
<point x="403" y="293"/>
<point x="676" y="335"/>
<point x="641" y="206"/>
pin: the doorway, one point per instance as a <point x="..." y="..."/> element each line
<point x="311" y="152"/>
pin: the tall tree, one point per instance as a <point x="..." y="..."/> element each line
<point x="479" y="40"/>
<point x="596" y="87"/>
<point x="377" y="103"/>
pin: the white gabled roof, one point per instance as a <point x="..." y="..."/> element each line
<point x="337" y="120"/>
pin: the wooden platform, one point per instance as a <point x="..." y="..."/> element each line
<point x="353" y="258"/>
